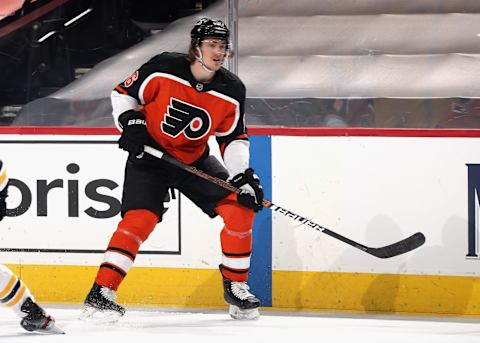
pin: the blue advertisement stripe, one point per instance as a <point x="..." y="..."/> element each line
<point x="260" y="277"/>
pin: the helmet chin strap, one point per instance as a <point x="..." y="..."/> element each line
<point x="199" y="58"/>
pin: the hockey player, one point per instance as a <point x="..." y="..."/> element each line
<point x="14" y="292"/>
<point x="174" y="103"/>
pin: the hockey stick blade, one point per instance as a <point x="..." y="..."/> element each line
<point x="392" y="250"/>
<point x="388" y="251"/>
<point x="405" y="245"/>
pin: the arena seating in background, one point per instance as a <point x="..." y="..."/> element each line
<point x="296" y="57"/>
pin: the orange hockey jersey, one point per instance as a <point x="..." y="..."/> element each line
<point x="182" y="113"/>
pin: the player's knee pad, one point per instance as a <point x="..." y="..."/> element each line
<point x="236" y="217"/>
<point x="138" y="223"/>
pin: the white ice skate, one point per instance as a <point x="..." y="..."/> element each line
<point x="243" y="304"/>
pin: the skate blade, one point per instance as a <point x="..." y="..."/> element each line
<point x="243" y="314"/>
<point x="92" y="314"/>
<point x="51" y="329"/>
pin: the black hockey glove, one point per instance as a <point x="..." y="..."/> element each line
<point x="3" y="203"/>
<point x="251" y="195"/>
<point x="134" y="135"/>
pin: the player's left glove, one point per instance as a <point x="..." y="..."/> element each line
<point x="251" y="195"/>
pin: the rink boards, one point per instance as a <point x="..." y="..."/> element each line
<point x="373" y="189"/>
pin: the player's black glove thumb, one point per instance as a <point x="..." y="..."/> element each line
<point x="251" y="192"/>
<point x="134" y="135"/>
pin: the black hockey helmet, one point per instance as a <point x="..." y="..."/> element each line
<point x="206" y="27"/>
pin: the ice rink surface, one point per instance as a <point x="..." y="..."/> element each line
<point x="178" y="325"/>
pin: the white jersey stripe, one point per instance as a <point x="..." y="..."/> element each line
<point x="236" y="262"/>
<point x="145" y="82"/>
<point x="119" y="260"/>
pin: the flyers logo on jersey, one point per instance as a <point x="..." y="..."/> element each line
<point x="128" y="82"/>
<point x="194" y="122"/>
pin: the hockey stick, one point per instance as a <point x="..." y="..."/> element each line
<point x="395" y="249"/>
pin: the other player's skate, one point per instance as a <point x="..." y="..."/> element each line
<point x="100" y="305"/>
<point x="37" y="320"/>
<point x="243" y="304"/>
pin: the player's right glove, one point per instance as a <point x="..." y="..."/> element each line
<point x="251" y="192"/>
<point x="134" y="135"/>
